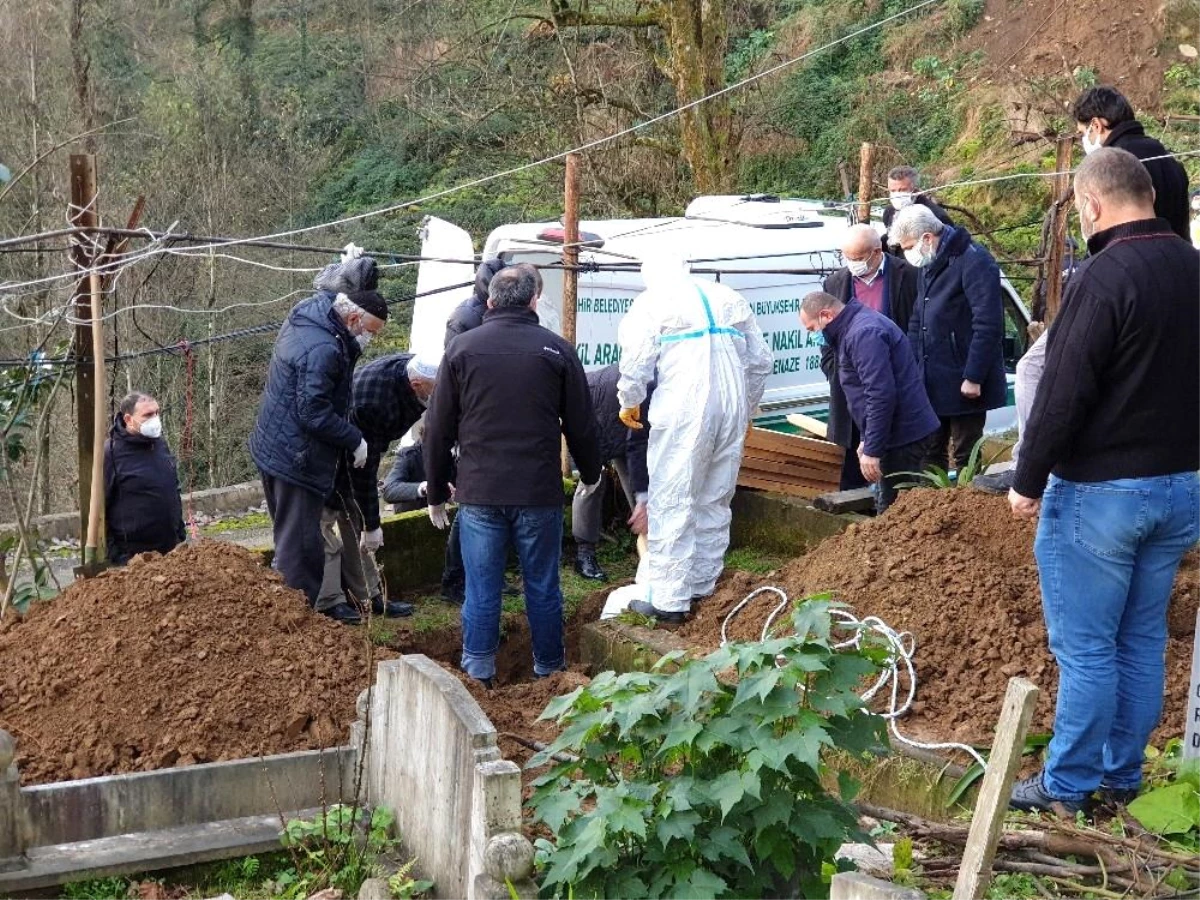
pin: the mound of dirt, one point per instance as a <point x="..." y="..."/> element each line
<point x="197" y="656"/>
<point x="955" y="569"/>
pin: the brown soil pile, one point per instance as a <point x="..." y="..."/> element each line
<point x="954" y="568"/>
<point x="197" y="656"/>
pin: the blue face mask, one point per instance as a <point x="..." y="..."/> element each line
<point x="819" y="338"/>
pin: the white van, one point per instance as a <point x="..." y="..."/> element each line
<point x="769" y="250"/>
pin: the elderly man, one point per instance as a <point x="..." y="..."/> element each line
<point x="303" y="425"/>
<point x="142" y="510"/>
<point x="881" y="387"/>
<point x="390" y="395"/>
<point x="879" y="281"/>
<point x="700" y="342"/>
<point x="626" y="449"/>
<point x="956" y="330"/>
<point x="1110" y="461"/>
<point x="506" y="393"/>
<point x="903" y="191"/>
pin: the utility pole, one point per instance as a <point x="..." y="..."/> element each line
<point x="84" y="214"/>
<point x="866" y="166"/>
<point x="570" y="258"/>
<point x="1060" y="214"/>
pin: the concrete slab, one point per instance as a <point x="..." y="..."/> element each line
<point x="857" y="886"/>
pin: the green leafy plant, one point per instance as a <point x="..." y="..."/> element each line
<point x="1170" y="805"/>
<point x="1034" y="744"/>
<point x="97" y="889"/>
<point x="404" y="887"/>
<point x="937" y="477"/>
<point x="704" y="777"/>
<point x="337" y="849"/>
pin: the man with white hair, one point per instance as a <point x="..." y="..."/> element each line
<point x="956" y="330"/>
<point x="303" y="425"/>
<point x="879" y="281"/>
<point x="700" y="341"/>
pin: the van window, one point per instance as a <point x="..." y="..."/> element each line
<point x="1016" y="338"/>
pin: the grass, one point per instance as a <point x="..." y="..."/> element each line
<point x="239" y="523"/>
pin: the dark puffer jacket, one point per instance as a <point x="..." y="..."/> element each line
<point x="469" y="313"/>
<point x="142" y="509"/>
<point x="302" y="423"/>
<point x="616" y="440"/>
<point x="1168" y="175"/>
<point x="957" y="327"/>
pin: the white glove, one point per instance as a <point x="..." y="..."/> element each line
<point x="423" y="489"/>
<point x="371" y="540"/>
<point x="360" y="455"/>
<point x="351" y="251"/>
<point x="438" y="516"/>
<point x="583" y="491"/>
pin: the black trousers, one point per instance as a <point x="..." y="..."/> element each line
<point x="896" y="461"/>
<point x="299" y="547"/>
<point x="953" y="442"/>
<point x="852" y="476"/>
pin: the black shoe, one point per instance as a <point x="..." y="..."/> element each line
<point x="454" y="593"/>
<point x="1001" y="483"/>
<point x="390" y="609"/>
<point x="643" y="608"/>
<point x="1029" y="795"/>
<point x="344" y="613"/>
<point x="587" y="567"/>
<point x="1110" y="796"/>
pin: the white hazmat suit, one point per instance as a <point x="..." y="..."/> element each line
<point x="702" y="343"/>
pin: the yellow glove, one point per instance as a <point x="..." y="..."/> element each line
<point x="631" y="417"/>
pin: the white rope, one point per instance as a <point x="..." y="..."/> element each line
<point x="902" y="646"/>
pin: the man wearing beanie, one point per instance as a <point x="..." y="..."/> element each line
<point x="303" y="424"/>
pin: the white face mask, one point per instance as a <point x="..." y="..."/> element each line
<point x="364" y="339"/>
<point x="1090" y="146"/>
<point x="858" y="267"/>
<point x="901" y="199"/>
<point x="152" y="427"/>
<point x="918" y="257"/>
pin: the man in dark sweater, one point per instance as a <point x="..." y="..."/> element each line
<point x="1109" y="462"/>
<point x="506" y="392"/>
<point x="469" y="313"/>
<point x="142" y="509"/>
<point x="625" y="448"/>
<point x="882" y="388"/>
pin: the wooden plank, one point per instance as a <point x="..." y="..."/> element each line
<point x="790" y="443"/>
<point x="809" y="424"/>
<point x="772" y="483"/>
<point x="856" y="500"/>
<point x="987" y="823"/>
<point x="790" y="467"/>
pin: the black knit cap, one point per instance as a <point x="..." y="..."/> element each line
<point x="370" y="302"/>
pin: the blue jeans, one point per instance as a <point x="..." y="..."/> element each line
<point x="1107" y="554"/>
<point x="486" y="533"/>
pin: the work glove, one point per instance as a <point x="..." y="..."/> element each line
<point x="631" y="417"/>
<point x="351" y="251"/>
<point x="371" y="540"/>
<point x="439" y="517"/>
<point x="583" y="491"/>
<point x="360" y="455"/>
<point x="423" y="489"/>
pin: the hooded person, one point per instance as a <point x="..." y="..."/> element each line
<point x="469" y="313"/>
<point x="700" y="342"/>
<point x="142" y="509"/>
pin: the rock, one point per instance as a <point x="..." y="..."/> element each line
<point x="375" y="889"/>
<point x="508" y="857"/>
<point x="1188" y="50"/>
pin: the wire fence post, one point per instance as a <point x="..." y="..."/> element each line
<point x="570" y="258"/>
<point x="1060" y="214"/>
<point x="866" y="167"/>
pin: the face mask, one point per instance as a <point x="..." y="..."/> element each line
<point x="1090" y="146"/>
<point x="364" y="339"/>
<point x="152" y="427"/>
<point x="901" y="199"/>
<point x="858" y="267"/>
<point x="918" y="257"/>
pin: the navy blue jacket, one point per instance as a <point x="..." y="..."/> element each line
<point x="957" y="327"/>
<point x="880" y="380"/>
<point x="302" y="424"/>
<point x="616" y="440"/>
<point x="142" y="509"/>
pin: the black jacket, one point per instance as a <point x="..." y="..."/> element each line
<point x="889" y="213"/>
<point x="469" y="313"/>
<point x="957" y="326"/>
<point x="401" y="486"/>
<point x="1168" y="175"/>
<point x="615" y="439"/>
<point x="1121" y="388"/>
<point x="384" y="409"/>
<point x="900" y="293"/>
<point x="506" y="391"/>
<point x="142" y="509"/>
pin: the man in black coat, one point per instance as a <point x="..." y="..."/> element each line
<point x="904" y="189"/>
<point x="507" y="392"/>
<point x="625" y="448"/>
<point x="142" y="509"/>
<point x="469" y="313"/>
<point x="884" y="283"/>
<point x="956" y="330"/>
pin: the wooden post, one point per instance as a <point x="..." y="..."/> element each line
<point x="84" y="214"/>
<point x="976" y="871"/>
<point x="570" y="258"/>
<point x="866" y="165"/>
<point x="1061" y="214"/>
<point x="1191" y="741"/>
<point x="93" y="553"/>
